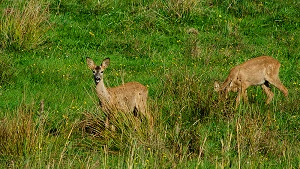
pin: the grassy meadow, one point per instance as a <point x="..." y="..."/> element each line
<point x="49" y="112"/>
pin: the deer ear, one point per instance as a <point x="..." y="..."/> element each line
<point x="90" y="63"/>
<point x="105" y="63"/>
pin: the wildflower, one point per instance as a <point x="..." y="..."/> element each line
<point x="91" y="33"/>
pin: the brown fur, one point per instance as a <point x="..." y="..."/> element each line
<point x="128" y="98"/>
<point x="257" y="71"/>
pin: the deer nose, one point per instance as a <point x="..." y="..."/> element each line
<point x="97" y="79"/>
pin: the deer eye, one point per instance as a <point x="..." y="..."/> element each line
<point x="101" y="72"/>
<point x="94" y="71"/>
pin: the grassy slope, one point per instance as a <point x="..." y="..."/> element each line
<point x="149" y="43"/>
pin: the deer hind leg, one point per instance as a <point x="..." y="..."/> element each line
<point x="145" y="113"/>
<point x="274" y="80"/>
<point x="268" y="91"/>
<point x="137" y="119"/>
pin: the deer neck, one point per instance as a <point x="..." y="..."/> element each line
<point x="102" y="92"/>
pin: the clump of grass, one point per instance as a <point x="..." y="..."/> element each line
<point x="27" y="137"/>
<point x="183" y="106"/>
<point x="123" y="129"/>
<point x="183" y="91"/>
<point x="21" y="135"/>
<point x="24" y="24"/>
<point x="179" y="9"/>
<point x="259" y="135"/>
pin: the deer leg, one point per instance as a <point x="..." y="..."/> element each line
<point x="137" y="118"/>
<point x="142" y="109"/>
<point x="226" y="93"/>
<point x="277" y="83"/>
<point x="268" y="91"/>
<point x="245" y="97"/>
<point x="241" y="93"/>
<point x="238" y="99"/>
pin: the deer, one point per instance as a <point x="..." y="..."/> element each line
<point x="129" y="97"/>
<point x="263" y="71"/>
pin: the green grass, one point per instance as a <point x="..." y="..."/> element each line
<point x="150" y="42"/>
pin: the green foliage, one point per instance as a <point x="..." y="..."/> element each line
<point x="177" y="49"/>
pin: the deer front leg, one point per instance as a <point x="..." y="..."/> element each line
<point x="238" y="99"/>
<point x="245" y="96"/>
<point x="241" y="93"/>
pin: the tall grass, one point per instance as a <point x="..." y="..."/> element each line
<point x="21" y="136"/>
<point x="177" y="49"/>
<point x="24" y="24"/>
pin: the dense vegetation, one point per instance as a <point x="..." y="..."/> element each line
<point x="49" y="113"/>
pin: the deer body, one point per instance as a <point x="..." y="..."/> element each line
<point x="257" y="71"/>
<point x="128" y="98"/>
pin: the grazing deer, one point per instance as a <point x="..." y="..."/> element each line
<point x="128" y="98"/>
<point x="257" y="71"/>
